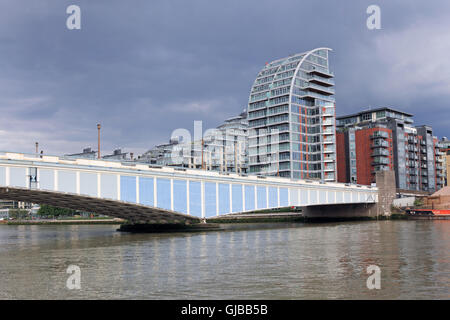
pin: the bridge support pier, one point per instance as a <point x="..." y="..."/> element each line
<point x="386" y="194"/>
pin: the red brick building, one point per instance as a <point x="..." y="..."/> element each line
<point x="361" y="152"/>
<point x="384" y="139"/>
<point x="341" y="156"/>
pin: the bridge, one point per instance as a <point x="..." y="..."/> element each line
<point x="142" y="193"/>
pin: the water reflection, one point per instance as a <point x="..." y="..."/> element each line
<point x="292" y="261"/>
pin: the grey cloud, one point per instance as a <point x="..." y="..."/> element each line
<point x="144" y="68"/>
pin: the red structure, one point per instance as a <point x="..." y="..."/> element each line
<point x="361" y="152"/>
<point x="341" y="158"/>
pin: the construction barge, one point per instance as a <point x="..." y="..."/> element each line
<point x="429" y="214"/>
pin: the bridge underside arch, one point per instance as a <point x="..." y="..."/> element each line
<point x="131" y="212"/>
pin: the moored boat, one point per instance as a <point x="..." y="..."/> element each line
<point x="428" y="213"/>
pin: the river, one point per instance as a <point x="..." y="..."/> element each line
<point x="251" y="261"/>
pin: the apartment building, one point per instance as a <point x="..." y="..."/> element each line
<point x="221" y="149"/>
<point x="444" y="145"/>
<point x="291" y="114"/>
<point x="411" y="151"/>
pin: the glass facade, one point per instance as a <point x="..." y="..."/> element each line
<point x="291" y="115"/>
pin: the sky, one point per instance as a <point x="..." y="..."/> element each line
<point x="144" y="68"/>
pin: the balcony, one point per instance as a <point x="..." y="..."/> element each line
<point x="320" y="80"/>
<point x="328" y="112"/>
<point x="319" y="89"/>
<point x="255" y="115"/>
<point x="318" y="96"/>
<point x="328" y="123"/>
<point x="379" y="134"/>
<point x="328" y="140"/>
<point x="380" y="168"/>
<point x="379" y="144"/>
<point x="411" y="164"/>
<point x="321" y="71"/>
<point x="380" y="160"/>
<point x="412" y="139"/>
<point x="380" y="152"/>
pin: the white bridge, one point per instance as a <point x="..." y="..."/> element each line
<point x="142" y="193"/>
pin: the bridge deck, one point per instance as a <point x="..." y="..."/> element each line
<point x="139" y="192"/>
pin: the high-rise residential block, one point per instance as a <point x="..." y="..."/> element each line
<point x="411" y="151"/>
<point x="291" y="114"/>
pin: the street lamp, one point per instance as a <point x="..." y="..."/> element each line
<point x="98" y="128"/>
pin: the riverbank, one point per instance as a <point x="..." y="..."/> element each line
<point x="168" y="228"/>
<point x="263" y="216"/>
<point x="282" y="217"/>
<point x="295" y="217"/>
<point x="65" y="222"/>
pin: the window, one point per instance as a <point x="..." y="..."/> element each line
<point x="381" y="114"/>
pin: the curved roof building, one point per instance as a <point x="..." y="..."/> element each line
<point x="291" y="113"/>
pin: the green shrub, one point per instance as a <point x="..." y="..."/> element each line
<point x="50" y="211"/>
<point x="418" y="202"/>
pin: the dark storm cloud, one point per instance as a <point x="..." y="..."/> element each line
<point x="144" y="68"/>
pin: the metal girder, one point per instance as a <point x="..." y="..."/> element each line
<point x="119" y="209"/>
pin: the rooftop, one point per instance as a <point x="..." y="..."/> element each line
<point x="375" y="110"/>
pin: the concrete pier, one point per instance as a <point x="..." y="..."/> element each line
<point x="385" y="181"/>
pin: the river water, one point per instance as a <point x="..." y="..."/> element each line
<point x="257" y="261"/>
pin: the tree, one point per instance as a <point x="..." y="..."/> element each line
<point x="18" y="213"/>
<point x="47" y="210"/>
